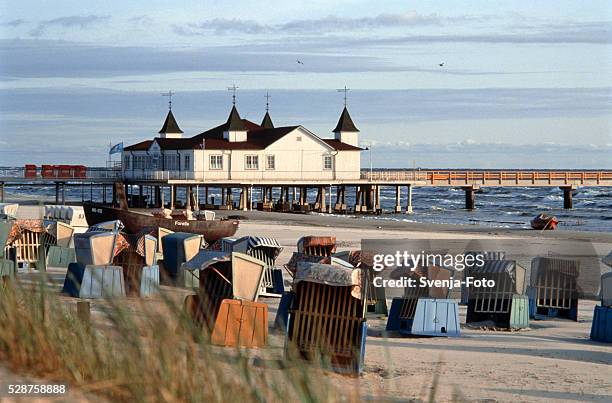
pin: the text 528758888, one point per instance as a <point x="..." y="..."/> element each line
<point x="34" y="389"/>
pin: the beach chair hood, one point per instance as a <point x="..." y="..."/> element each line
<point x="607" y="260"/>
<point x="112" y="226"/>
<point x="306" y="242"/>
<point x="245" y="243"/>
<point x="205" y="258"/>
<point x="539" y="265"/>
<point x="330" y="274"/>
<point x="9" y="209"/>
<point x="509" y="267"/>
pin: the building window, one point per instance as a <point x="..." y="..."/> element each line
<point x="127" y="162"/>
<point x="139" y="162"/>
<point x="327" y="162"/>
<point x="216" y="162"/>
<point x="171" y="162"/>
<point x="252" y="162"/>
<point x="270" y="162"/>
<point x="187" y="165"/>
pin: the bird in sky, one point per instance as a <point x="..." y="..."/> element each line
<point x="441" y="64"/>
<point x="299" y="62"/>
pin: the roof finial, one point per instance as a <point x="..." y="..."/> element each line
<point x="233" y="88"/>
<point x="169" y="95"/>
<point x="345" y="90"/>
<point x="267" y="97"/>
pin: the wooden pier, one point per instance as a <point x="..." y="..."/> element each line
<point x="293" y="195"/>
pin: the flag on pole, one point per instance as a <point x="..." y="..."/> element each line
<point x="117" y="148"/>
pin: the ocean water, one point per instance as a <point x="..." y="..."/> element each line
<point x="495" y="207"/>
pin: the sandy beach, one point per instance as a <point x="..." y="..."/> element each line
<point x="553" y="360"/>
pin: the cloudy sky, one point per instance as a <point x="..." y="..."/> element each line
<point x="524" y="84"/>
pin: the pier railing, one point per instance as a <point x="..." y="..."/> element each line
<point x="493" y="178"/>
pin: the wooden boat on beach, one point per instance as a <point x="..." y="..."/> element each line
<point x="135" y="222"/>
<point x="544" y="221"/>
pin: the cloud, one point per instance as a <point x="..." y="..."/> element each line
<point x="141" y="20"/>
<point x="318" y="30"/>
<point x="75" y="21"/>
<point x="330" y="23"/>
<point x="222" y="26"/>
<point x="13" y="23"/>
<point x="47" y="58"/>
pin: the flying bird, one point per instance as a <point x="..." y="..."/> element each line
<point x="299" y="62"/>
<point x="441" y="64"/>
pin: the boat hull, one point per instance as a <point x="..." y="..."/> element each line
<point x="542" y="222"/>
<point x="134" y="222"/>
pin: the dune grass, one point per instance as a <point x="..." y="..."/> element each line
<point x="150" y="355"/>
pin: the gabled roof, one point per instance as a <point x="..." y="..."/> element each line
<point x="258" y="138"/>
<point x="340" y="146"/>
<point x="267" y="121"/>
<point x="170" y="125"/>
<point x="234" y="122"/>
<point x="345" y="123"/>
<point x="142" y="146"/>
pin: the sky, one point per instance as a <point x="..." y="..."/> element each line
<point x="523" y="84"/>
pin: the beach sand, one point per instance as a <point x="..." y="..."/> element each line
<point x="553" y="360"/>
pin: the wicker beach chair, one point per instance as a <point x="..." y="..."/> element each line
<point x="327" y="316"/>
<point x="226" y="301"/>
<point x="601" y="328"/>
<point x="553" y="290"/>
<point x="504" y="304"/>
<point x="140" y="269"/>
<point x="178" y="248"/>
<point x="93" y="275"/>
<point x="266" y="250"/>
<point x="487" y="256"/>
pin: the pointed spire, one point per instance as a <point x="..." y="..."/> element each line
<point x="170" y="125"/>
<point x="234" y="122"/>
<point x="345" y="123"/>
<point x="266" y="123"/>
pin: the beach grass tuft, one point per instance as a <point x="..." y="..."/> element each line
<point x="153" y="353"/>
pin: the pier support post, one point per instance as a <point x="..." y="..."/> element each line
<point x="409" y="206"/>
<point x="322" y="193"/>
<point x="398" y="193"/>
<point x="188" y="198"/>
<point x="56" y="193"/>
<point x="470" y="198"/>
<point x="197" y="198"/>
<point x="172" y="197"/>
<point x="1" y="192"/>
<point x="358" y="195"/>
<point x="63" y="193"/>
<point x="161" y="197"/>
<point x="114" y="195"/>
<point x="568" y="203"/>
<point x="228" y="199"/>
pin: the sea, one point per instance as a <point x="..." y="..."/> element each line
<point x="500" y="207"/>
